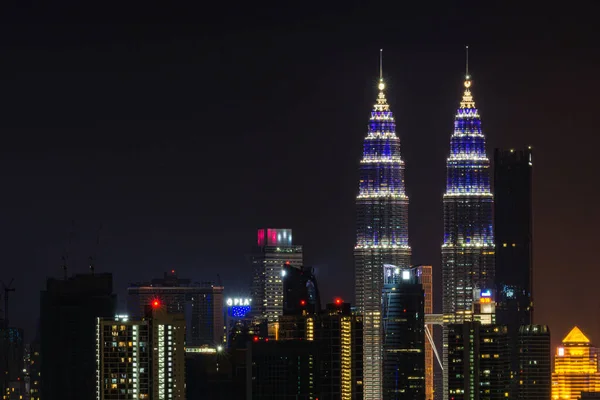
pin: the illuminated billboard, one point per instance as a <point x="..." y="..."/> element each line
<point x="238" y="307"/>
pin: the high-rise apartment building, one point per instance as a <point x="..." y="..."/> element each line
<point x="142" y="358"/>
<point x="575" y="367"/>
<point x="381" y="231"/>
<point x="534" y="363"/>
<point x="274" y="250"/>
<point x="468" y="245"/>
<point x="339" y="335"/>
<point x="201" y="303"/>
<point x="69" y="310"/>
<point x="403" y="319"/>
<point x="478" y="362"/>
<point x="513" y="232"/>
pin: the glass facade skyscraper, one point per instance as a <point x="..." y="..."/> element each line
<point x="468" y="245"/>
<point x="513" y="225"/>
<point x="381" y="231"/>
<point x="403" y="320"/>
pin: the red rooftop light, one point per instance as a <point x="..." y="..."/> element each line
<point x="338" y="301"/>
<point x="302" y="302"/>
<point x="155" y="303"/>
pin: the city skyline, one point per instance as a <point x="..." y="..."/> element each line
<point x="155" y="197"/>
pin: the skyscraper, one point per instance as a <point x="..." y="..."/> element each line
<point x="479" y="363"/>
<point x="274" y="250"/>
<point x="575" y="367"/>
<point x="513" y="231"/>
<point x="201" y="303"/>
<point x="403" y="320"/>
<point x="68" y="314"/>
<point x="468" y="245"/>
<point x="141" y="358"/>
<point x="535" y="363"/>
<point x="381" y="231"/>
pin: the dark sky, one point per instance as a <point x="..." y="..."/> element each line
<point x="182" y="129"/>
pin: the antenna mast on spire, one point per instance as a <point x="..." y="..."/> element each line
<point x="467" y="61"/>
<point x="380" y="64"/>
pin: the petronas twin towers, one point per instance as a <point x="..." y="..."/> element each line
<point x="382" y="223"/>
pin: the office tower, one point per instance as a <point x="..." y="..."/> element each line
<point x="494" y="371"/>
<point x="300" y="290"/>
<point x="478" y="361"/>
<point x="425" y="278"/>
<point x="201" y="303"/>
<point x="274" y="249"/>
<point x="142" y="358"/>
<point x="287" y="369"/>
<point x="468" y="245"/>
<point x="513" y="231"/>
<point x="403" y="320"/>
<point x="534" y="367"/>
<point x="575" y="367"/>
<point x="69" y="310"/>
<point x="381" y="230"/>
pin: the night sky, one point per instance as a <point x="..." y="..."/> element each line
<point x="182" y="130"/>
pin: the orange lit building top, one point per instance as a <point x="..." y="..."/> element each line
<point x="575" y="367"/>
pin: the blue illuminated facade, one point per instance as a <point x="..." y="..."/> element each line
<point x="468" y="248"/>
<point x="381" y="231"/>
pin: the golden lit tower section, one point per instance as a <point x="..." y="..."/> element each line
<point x="381" y="231"/>
<point x="575" y="367"/>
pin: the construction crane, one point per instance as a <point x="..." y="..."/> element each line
<point x="7" y="289"/>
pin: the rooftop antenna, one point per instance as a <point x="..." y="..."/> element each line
<point x="7" y="289"/>
<point x="93" y="257"/>
<point x="467" y="61"/>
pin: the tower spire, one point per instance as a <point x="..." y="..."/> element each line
<point x="467" y="100"/>
<point x="381" y="85"/>
<point x="467" y="62"/>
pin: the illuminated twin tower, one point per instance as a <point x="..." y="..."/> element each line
<point x="382" y="223"/>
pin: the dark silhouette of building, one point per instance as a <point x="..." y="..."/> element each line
<point x="478" y="362"/>
<point x="535" y="363"/>
<point x="287" y="369"/>
<point x="300" y="290"/>
<point x="200" y="302"/>
<point x="209" y="375"/>
<point x="514" y="229"/>
<point x="69" y="310"/>
<point x="12" y="362"/>
<point x="403" y="334"/>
